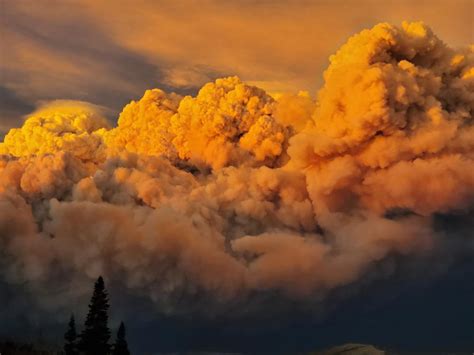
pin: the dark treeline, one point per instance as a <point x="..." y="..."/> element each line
<point x="94" y="339"/>
<point x="14" y="348"/>
<point x="95" y="336"/>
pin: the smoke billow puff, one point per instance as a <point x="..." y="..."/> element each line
<point x="227" y="123"/>
<point x="234" y="192"/>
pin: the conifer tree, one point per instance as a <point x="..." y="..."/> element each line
<point x="70" y="338"/>
<point x="96" y="334"/>
<point x="121" y="346"/>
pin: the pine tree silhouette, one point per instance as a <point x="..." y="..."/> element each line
<point x="96" y="334"/>
<point x="121" y="346"/>
<point x="70" y="337"/>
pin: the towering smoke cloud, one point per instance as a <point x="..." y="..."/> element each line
<point x="228" y="123"/>
<point x="60" y="126"/>
<point x="234" y="192"/>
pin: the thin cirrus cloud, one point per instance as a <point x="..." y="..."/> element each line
<point x="109" y="54"/>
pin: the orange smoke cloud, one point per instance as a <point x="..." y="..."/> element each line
<point x="233" y="191"/>
<point x="60" y="126"/>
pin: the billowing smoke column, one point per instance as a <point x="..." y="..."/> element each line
<point x="232" y="192"/>
<point x="228" y="123"/>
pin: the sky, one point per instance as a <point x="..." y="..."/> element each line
<point x="253" y="214"/>
<point x="108" y="53"/>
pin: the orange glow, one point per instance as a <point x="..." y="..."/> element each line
<point x="228" y="191"/>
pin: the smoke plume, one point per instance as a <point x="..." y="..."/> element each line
<point x="234" y="192"/>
